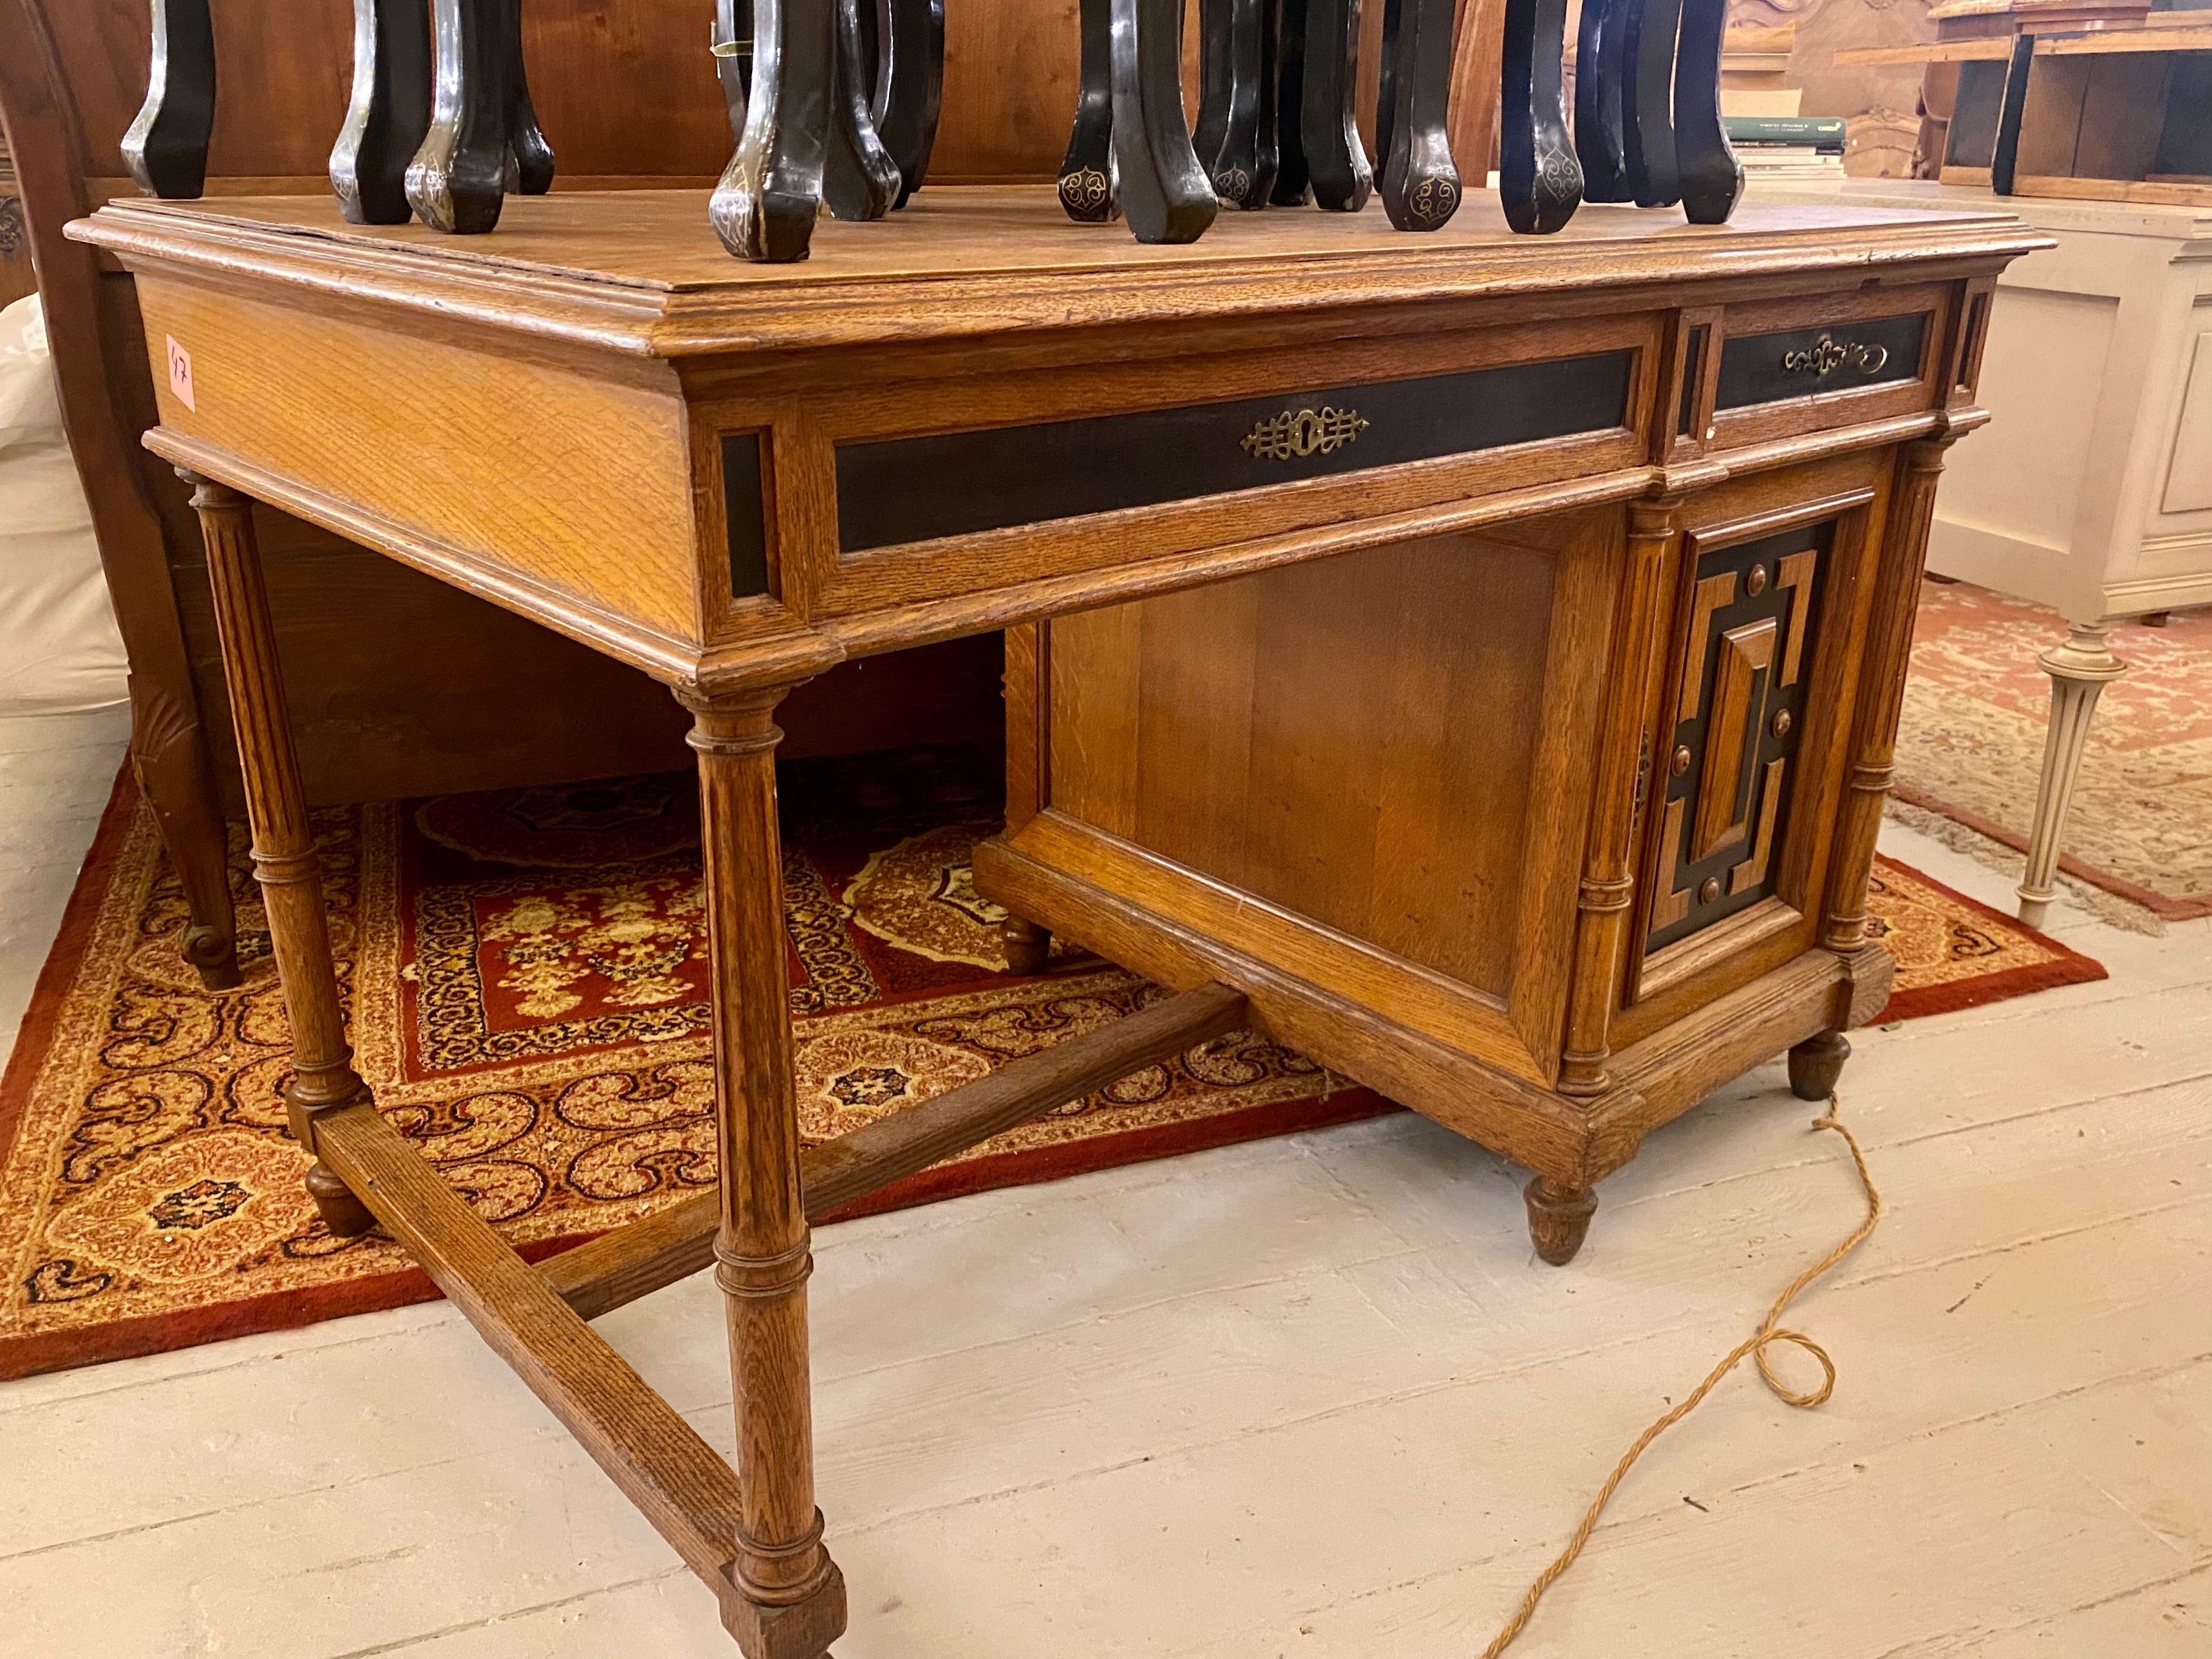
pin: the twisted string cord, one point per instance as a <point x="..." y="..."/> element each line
<point x="1754" y="1348"/>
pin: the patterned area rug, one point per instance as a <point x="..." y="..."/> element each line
<point x="524" y="970"/>
<point x="1971" y="744"/>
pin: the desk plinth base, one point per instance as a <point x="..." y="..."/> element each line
<point x="1570" y="1142"/>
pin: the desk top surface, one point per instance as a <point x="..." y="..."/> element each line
<point x="642" y="271"/>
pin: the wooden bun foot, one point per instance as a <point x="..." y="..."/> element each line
<point x="1559" y="1219"/>
<point x="1026" y="945"/>
<point x="346" y="1216"/>
<point x="1816" y="1063"/>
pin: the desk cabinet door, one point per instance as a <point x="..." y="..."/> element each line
<point x="1748" y="732"/>
<point x="1736" y="726"/>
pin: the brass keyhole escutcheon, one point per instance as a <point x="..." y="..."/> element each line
<point x="1682" y="759"/>
<point x="1755" y="583"/>
<point x="1709" y="889"/>
<point x="1781" y="727"/>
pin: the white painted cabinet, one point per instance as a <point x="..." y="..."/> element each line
<point x="2092" y="492"/>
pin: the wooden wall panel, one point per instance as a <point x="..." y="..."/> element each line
<point x="1010" y="84"/>
<point x="596" y="67"/>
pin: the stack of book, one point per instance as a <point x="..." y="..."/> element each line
<point x="1795" y="147"/>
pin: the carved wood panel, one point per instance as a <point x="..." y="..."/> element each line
<point x="1738" y="718"/>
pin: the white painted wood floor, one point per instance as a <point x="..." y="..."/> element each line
<point x="1307" y="1399"/>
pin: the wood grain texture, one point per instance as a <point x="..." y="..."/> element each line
<point x="1482" y="1102"/>
<point x="656" y="1458"/>
<point x="284" y="861"/>
<point x="1626" y="759"/>
<point x="1873" y="743"/>
<point x="606" y="518"/>
<point x="1231" y="732"/>
<point x="637" y="273"/>
<point x="762" y="1253"/>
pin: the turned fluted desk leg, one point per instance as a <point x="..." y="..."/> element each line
<point x="2078" y="670"/>
<point x="1608" y="883"/>
<point x="284" y="860"/>
<point x="789" y="1598"/>
<point x="1872" y="755"/>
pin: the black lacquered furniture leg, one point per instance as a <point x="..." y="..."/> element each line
<point x="1291" y="177"/>
<point x="1165" y="194"/>
<point x="859" y="180"/>
<point x="1647" y="128"/>
<point x="1712" y="177"/>
<point x="1086" y="175"/>
<point x="389" y="113"/>
<point x="525" y="140"/>
<point x="763" y="208"/>
<point x="1386" y="86"/>
<point x="1244" y="166"/>
<point x="458" y="179"/>
<point x="1336" y="163"/>
<point x="1216" y="69"/>
<point x="909" y="86"/>
<point x="166" y="146"/>
<point x="1420" y="185"/>
<point x="1601" y="61"/>
<point x="1538" y="177"/>
<point x="733" y="59"/>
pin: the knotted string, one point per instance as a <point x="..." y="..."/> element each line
<point x="1754" y="1348"/>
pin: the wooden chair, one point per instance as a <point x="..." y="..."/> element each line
<point x="450" y="673"/>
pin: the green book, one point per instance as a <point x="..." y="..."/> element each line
<point x="1821" y="133"/>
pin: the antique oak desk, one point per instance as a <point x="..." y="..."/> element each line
<point x="1474" y="660"/>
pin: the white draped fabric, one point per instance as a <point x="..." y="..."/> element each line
<point x="59" y="651"/>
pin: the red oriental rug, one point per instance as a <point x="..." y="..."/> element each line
<point x="524" y="971"/>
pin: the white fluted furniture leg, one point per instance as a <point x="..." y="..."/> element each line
<point x="2078" y="670"/>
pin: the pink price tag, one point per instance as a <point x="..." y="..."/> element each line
<point x="180" y="374"/>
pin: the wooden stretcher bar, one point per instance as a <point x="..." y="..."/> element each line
<point x="534" y="1319"/>
<point x="603" y="1275"/>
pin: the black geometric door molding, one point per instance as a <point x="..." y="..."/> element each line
<point x="1738" y="721"/>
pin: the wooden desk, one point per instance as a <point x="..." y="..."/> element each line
<point x="1474" y="659"/>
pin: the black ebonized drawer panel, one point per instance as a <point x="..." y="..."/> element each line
<point x="1796" y="363"/>
<point x="912" y="489"/>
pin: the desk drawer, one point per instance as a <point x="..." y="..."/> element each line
<point x="900" y="491"/>
<point x="1769" y="366"/>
